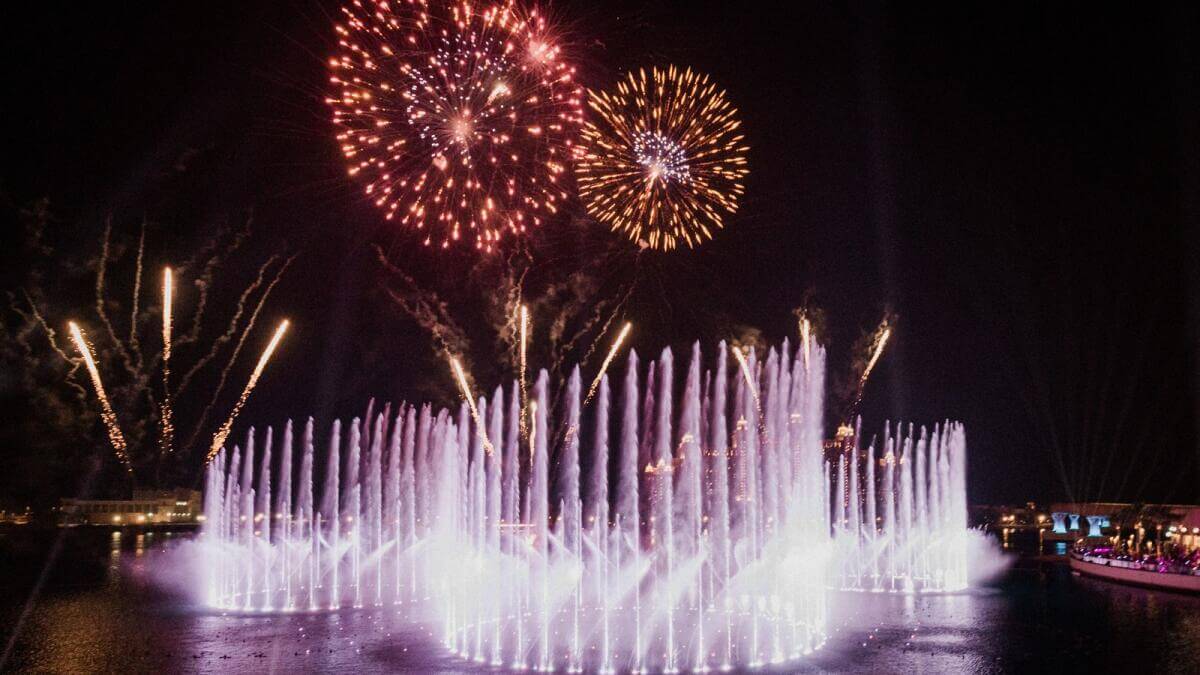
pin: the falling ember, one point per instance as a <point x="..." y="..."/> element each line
<point x="461" y="376"/>
<point x="662" y="160"/>
<point x="459" y="119"/>
<point x="223" y="432"/>
<point x="106" y="412"/>
<point x="612" y="352"/>
<point x="166" y="439"/>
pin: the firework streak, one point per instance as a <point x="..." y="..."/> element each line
<point x="106" y="412"/>
<point x="223" y="432"/>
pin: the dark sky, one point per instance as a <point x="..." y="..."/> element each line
<point x="1019" y="182"/>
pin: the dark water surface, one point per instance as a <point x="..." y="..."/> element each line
<point x="96" y="609"/>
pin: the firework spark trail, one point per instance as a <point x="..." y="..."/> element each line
<point x="662" y="158"/>
<point x="101" y="271"/>
<point x="35" y="316"/>
<point x="608" y="322"/>
<point x="570" y="298"/>
<point x="741" y="358"/>
<point x="232" y="328"/>
<point x="458" y="119"/>
<point x="607" y="360"/>
<point x="204" y="281"/>
<point x="881" y="337"/>
<point x="754" y="392"/>
<point x="586" y="294"/>
<point x="51" y="336"/>
<point x="524" y="365"/>
<point x="513" y="285"/>
<point x="237" y="349"/>
<point x="223" y="431"/>
<point x="137" y="292"/>
<point x="424" y="307"/>
<point x="880" y="342"/>
<point x="461" y="376"/>
<point x="168" y="301"/>
<point x="582" y="289"/>
<point x="167" y="438"/>
<point x="106" y="412"/>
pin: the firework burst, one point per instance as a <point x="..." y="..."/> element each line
<point x="662" y="161"/>
<point x="459" y="118"/>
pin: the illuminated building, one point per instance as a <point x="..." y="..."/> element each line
<point x="658" y="480"/>
<point x="148" y="507"/>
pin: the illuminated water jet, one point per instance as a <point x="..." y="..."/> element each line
<point x="660" y="538"/>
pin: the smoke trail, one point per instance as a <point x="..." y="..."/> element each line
<point x="101" y="267"/>
<point x="137" y="292"/>
<point x="511" y="289"/>
<point x="611" y="317"/>
<point x="424" y="307"/>
<point x="52" y="337"/>
<point x="231" y="329"/>
<point x="204" y="279"/>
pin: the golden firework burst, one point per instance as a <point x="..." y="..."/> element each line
<point x="662" y="161"/>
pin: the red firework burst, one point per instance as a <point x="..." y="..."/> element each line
<point x="459" y="118"/>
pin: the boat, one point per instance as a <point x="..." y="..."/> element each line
<point x="1133" y="572"/>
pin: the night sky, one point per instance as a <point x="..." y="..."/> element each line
<point x="1020" y="184"/>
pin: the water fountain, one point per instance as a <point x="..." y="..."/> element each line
<point x="687" y="532"/>
<point x="900" y="514"/>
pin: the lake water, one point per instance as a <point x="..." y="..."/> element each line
<point x="96" y="608"/>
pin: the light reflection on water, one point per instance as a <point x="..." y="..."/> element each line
<point x="99" y="613"/>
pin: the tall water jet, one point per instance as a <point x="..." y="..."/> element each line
<point x="705" y="543"/>
<point x="921" y="545"/>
